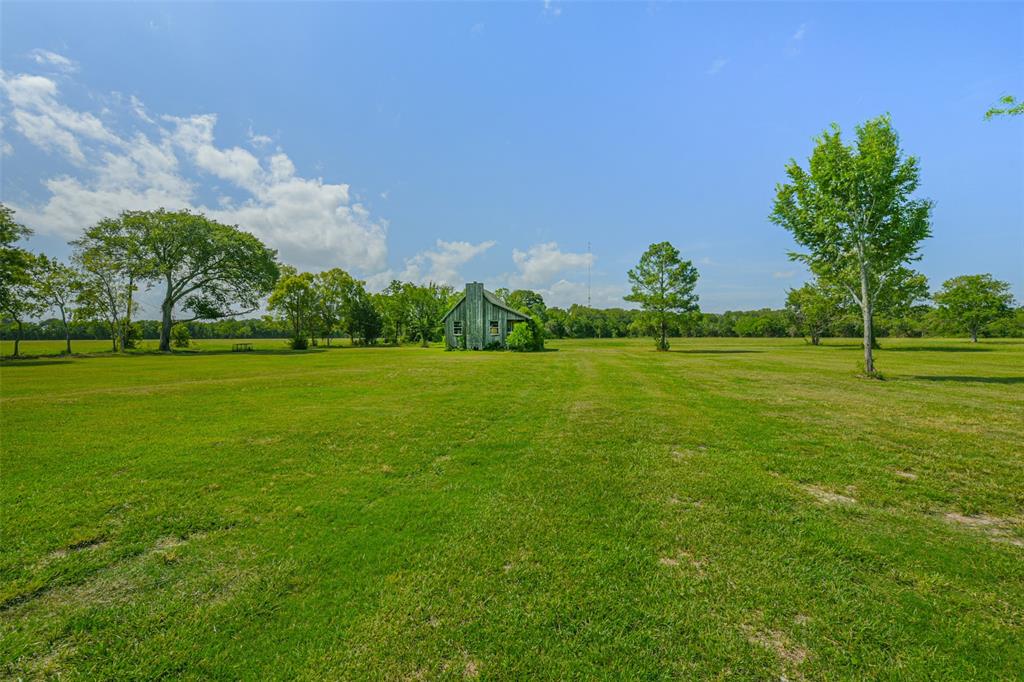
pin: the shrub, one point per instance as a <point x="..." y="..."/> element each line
<point x="521" y="338"/>
<point x="298" y="343"/>
<point x="133" y="334"/>
<point x="180" y="336"/>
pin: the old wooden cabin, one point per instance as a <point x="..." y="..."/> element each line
<point x="479" y="320"/>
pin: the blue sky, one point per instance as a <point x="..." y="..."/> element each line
<point x="494" y="141"/>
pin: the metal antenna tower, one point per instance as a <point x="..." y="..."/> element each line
<point x="588" y="274"/>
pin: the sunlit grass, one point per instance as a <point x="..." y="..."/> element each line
<point x="735" y="507"/>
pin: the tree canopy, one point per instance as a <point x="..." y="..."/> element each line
<point x="970" y="302"/>
<point x="853" y="212"/>
<point x="663" y="285"/>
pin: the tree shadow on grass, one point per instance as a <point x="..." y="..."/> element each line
<point x="934" y="349"/>
<point x="34" y="361"/>
<point x="977" y="380"/>
<point x="713" y="351"/>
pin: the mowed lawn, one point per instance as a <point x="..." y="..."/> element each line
<point x="734" y="508"/>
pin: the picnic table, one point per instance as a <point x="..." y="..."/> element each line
<point x="241" y="348"/>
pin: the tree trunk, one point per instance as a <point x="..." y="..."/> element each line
<point x="127" y="315"/>
<point x="17" y="340"/>
<point x="865" y="306"/>
<point x="67" y="330"/>
<point x="974" y="336"/>
<point x="815" y="340"/>
<point x="165" y="324"/>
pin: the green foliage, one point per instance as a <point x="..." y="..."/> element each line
<point x="852" y="211"/>
<point x="180" y="336"/>
<point x="365" y="323"/>
<point x="298" y="343"/>
<point x="971" y="302"/>
<point x="334" y="290"/>
<point x="520" y="339"/>
<point x="205" y="267"/>
<point x="19" y="297"/>
<point x="295" y="301"/>
<point x="663" y="285"/>
<point x="526" y="301"/>
<point x="1010" y="107"/>
<point x="811" y="309"/>
<point x="425" y="305"/>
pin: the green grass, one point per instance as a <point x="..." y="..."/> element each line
<point x="735" y="508"/>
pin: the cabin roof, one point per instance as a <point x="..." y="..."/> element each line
<point x="490" y="298"/>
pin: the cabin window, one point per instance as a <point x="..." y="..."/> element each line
<point x="494" y="327"/>
<point x="509" y="325"/>
<point x="457" y="327"/>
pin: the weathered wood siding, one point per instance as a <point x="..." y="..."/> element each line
<point x="476" y="313"/>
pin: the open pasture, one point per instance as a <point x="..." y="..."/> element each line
<point x="735" y="507"/>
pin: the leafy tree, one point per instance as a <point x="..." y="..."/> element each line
<point x="334" y="289"/>
<point x="57" y="286"/>
<point x="1011" y="107"/>
<point x="206" y="268"/>
<point x="393" y="305"/>
<point x="527" y="301"/>
<point x="18" y="296"/>
<point x="109" y="255"/>
<point x="811" y="309"/>
<point x="663" y="285"/>
<point x="853" y="213"/>
<point x="21" y="301"/>
<point x="295" y="300"/>
<point x="363" y="319"/>
<point x="971" y="302"/>
<point x="426" y="305"/>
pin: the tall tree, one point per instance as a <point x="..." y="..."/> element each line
<point x="971" y="302"/>
<point x="110" y="258"/>
<point x="18" y="295"/>
<point x="206" y="268"/>
<point x="426" y="305"/>
<point x="663" y="285"/>
<point x="393" y="304"/>
<point x="57" y="287"/>
<point x="334" y="289"/>
<point x="527" y="301"/>
<point x="295" y="300"/>
<point x="853" y="213"/>
<point x="362" y="319"/>
<point x="811" y="309"/>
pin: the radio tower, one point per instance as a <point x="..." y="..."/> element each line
<point x="588" y="274"/>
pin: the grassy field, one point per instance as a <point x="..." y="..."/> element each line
<point x="734" y="508"/>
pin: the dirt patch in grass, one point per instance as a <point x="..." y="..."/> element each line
<point x="789" y="653"/>
<point x="827" y="496"/>
<point x="79" y="546"/>
<point x="906" y="475"/>
<point x="997" y="529"/>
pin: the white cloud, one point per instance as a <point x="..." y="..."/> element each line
<point x="140" y="110"/>
<point x="552" y="9"/>
<point x="258" y="141"/>
<point x="58" y="61"/>
<point x="800" y="32"/>
<point x="539" y="264"/>
<point x="441" y="265"/>
<point x="313" y="224"/>
<point x="783" y="274"/>
<point x="47" y="123"/>
<point x="717" y="66"/>
<point x="477" y="28"/>
<point x="564" y="293"/>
